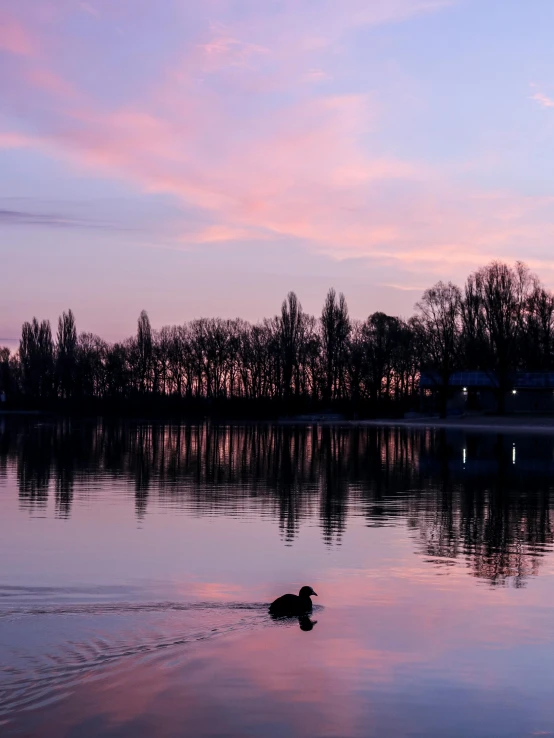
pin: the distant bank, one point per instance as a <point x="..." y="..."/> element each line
<point x="487" y="423"/>
<point x="492" y="424"/>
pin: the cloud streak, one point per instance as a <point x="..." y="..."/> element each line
<point x="51" y="220"/>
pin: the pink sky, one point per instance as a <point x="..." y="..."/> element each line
<point x="204" y="159"/>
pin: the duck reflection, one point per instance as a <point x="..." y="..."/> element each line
<point x="305" y="622"/>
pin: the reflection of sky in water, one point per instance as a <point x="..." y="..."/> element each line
<point x="136" y="563"/>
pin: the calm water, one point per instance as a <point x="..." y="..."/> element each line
<point x="137" y="561"/>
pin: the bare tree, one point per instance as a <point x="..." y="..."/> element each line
<point x="36" y="354"/>
<point x="335" y="331"/>
<point x="144" y="348"/>
<point x="291" y="328"/>
<point x="66" y="354"/>
<point x="380" y="335"/>
<point x="538" y="343"/>
<point x="438" y="323"/>
<point x="92" y="354"/>
<point x="503" y="293"/>
<point x="503" y="322"/>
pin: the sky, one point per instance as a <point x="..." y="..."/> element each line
<point x="204" y="158"/>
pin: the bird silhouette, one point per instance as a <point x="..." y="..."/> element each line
<point x="290" y="604"/>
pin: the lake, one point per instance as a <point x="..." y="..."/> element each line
<point x="137" y="562"/>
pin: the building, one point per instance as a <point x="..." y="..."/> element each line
<point x="478" y="392"/>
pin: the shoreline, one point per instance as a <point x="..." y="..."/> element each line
<point x="479" y="424"/>
<point x="543" y="425"/>
<point x="488" y="424"/>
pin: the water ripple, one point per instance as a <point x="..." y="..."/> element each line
<point x="49" y="677"/>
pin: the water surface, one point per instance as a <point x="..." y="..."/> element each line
<point x="137" y="561"/>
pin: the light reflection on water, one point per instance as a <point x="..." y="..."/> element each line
<point x="137" y="561"/>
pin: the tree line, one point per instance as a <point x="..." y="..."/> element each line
<point x="502" y="320"/>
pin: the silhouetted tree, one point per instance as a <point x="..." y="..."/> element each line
<point x="438" y="327"/>
<point x="291" y="333"/>
<point x="502" y="322"/>
<point x="503" y="293"/>
<point x="380" y="334"/>
<point x="144" y="351"/>
<point x="66" y="355"/>
<point x="473" y="343"/>
<point x="335" y="331"/>
<point x="36" y="354"/>
<point x="538" y="331"/>
<point x="6" y="379"/>
<point x="92" y="354"/>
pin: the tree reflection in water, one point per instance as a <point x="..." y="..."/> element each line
<point x="465" y="496"/>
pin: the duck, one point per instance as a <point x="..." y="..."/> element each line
<point x="289" y="604"/>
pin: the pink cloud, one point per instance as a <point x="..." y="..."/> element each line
<point x="224" y="50"/>
<point x="47" y="81"/>
<point x="539" y="97"/>
<point x="221" y="233"/>
<point x="543" y="100"/>
<point x="15" y="38"/>
<point x="316" y="75"/>
<point x="404" y="287"/>
<point x="12" y="140"/>
<point x="305" y="176"/>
